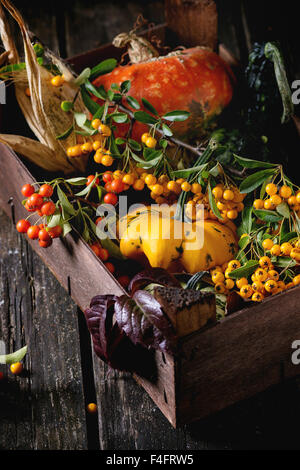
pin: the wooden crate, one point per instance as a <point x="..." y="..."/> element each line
<point x="240" y="356"/>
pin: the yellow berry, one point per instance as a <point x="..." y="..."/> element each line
<point x="295" y="254"/>
<point x="145" y="136"/>
<point x="104" y="130"/>
<point x="292" y="201"/>
<point x="151" y="142"/>
<point x="264" y="262"/>
<point x="275" y="250"/>
<point x="285" y="192"/>
<point x="268" y="205"/>
<point x="96" y="123"/>
<point x="57" y="81"/>
<point x="246" y="291"/>
<point x="286" y="248"/>
<point x="257" y="297"/>
<point x="221" y="206"/>
<point x="92" y="408"/>
<point x="267" y="244"/>
<point x="229" y="283"/>
<point x="271" y="189"/>
<point x="174" y="187"/>
<point x="217" y="192"/>
<point x="234" y="264"/>
<point x="76" y="151"/>
<point x="232" y="214"/>
<point x="139" y="185"/>
<point x="150" y="180"/>
<point x="261" y="274"/>
<point x="97" y="145"/>
<point x="241" y="282"/>
<point x="196" y="188"/>
<point x="296" y="280"/>
<point x="128" y="179"/>
<point x="99" y="155"/>
<point x="186" y="186"/>
<point x="276" y="200"/>
<point x="16" y="368"/>
<point x="228" y="195"/>
<point x="217" y="277"/>
<point x="107" y="160"/>
<point x="257" y="286"/>
<point x="227" y="272"/>
<point x="258" y="204"/>
<point x="220" y="288"/>
<point x="271" y="286"/>
<point x="157" y="189"/>
<point x="87" y="148"/>
<point x="272" y="274"/>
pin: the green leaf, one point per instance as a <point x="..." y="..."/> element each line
<point x="16" y="356"/>
<point x="120" y="141"/>
<point x="85" y="190"/>
<point x="149" y="107"/>
<point x="166" y="130"/>
<point x="98" y="92"/>
<point x="283" y="262"/>
<point x="283" y="209"/>
<point x="212" y="202"/>
<point x="133" y="103"/>
<point x="245" y="271"/>
<point x="248" y="163"/>
<point x="125" y="86"/>
<point x="288" y="236"/>
<point x="99" y="113"/>
<point x="188" y="171"/>
<point x="80" y="119"/>
<point x="85" y="74"/>
<point x="255" y="180"/>
<point x="12" y="68"/>
<point x="54" y="220"/>
<point x="91" y="105"/>
<point x="106" y="66"/>
<point x="176" y="116"/>
<point x="66" y="228"/>
<point x="141" y="116"/>
<point x="65" y="134"/>
<point x="67" y="207"/>
<point x="247" y="219"/>
<point x="150" y="154"/>
<point x="80" y="181"/>
<point x="120" y="118"/>
<point x="215" y="171"/>
<point x="267" y="216"/>
<point x="243" y="242"/>
<point x="135" y="145"/>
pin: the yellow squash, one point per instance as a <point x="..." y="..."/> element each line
<point x="168" y="243"/>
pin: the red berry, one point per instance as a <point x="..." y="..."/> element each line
<point x="35" y="201"/>
<point x="124" y="281"/>
<point x="44" y="235"/>
<point x="107" y="177"/>
<point x="48" y="208"/>
<point x="96" y="248"/>
<point x="45" y="243"/>
<point x="117" y="186"/>
<point x="110" y="267"/>
<point x="27" y="190"/>
<point x="41" y="226"/>
<point x="98" y="220"/>
<point x="110" y="198"/>
<point x="28" y="207"/>
<point x="107" y="186"/>
<point x="1" y="376"/>
<point x="55" y="232"/>
<point x="23" y="225"/>
<point x="103" y="255"/>
<point x="33" y="232"/>
<point x="90" y="179"/>
<point x="46" y="190"/>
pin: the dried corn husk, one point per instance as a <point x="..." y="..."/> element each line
<point x="42" y="110"/>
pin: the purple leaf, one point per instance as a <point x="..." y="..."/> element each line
<point x="152" y="275"/>
<point x="143" y="321"/>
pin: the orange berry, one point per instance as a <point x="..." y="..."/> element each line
<point x="150" y="180"/>
<point x="217" y="277"/>
<point x="275" y="250"/>
<point x="257" y="286"/>
<point x="145" y="136"/>
<point x="217" y="192"/>
<point x="16" y="368"/>
<point x="57" y="81"/>
<point x="174" y="187"/>
<point x="234" y="264"/>
<point x="258" y="204"/>
<point x="246" y="291"/>
<point x="139" y="185"/>
<point x="220" y="288"/>
<point x="104" y="130"/>
<point x="264" y="262"/>
<point x="271" y="286"/>
<point x="286" y="248"/>
<point x="285" y="192"/>
<point x="186" y="186"/>
<point x="196" y="188"/>
<point x="272" y="274"/>
<point x="228" y="195"/>
<point x="295" y="254"/>
<point x="257" y="297"/>
<point x="267" y="244"/>
<point x="87" y="148"/>
<point x="261" y="274"/>
<point x="241" y="282"/>
<point x="268" y="205"/>
<point x="271" y="189"/>
<point x="276" y="199"/>
<point x="292" y="201"/>
<point x="151" y="142"/>
<point x="229" y="283"/>
<point x="97" y="145"/>
<point x="27" y="92"/>
<point x="96" y="123"/>
<point x="157" y="189"/>
<point x="232" y="214"/>
<point x="107" y="160"/>
<point x="92" y="408"/>
<point x="296" y="280"/>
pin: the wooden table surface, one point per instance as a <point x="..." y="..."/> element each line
<point x="45" y="407"/>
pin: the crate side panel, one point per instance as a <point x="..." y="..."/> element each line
<point x="241" y="356"/>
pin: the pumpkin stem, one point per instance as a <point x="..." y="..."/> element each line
<point x="139" y="48"/>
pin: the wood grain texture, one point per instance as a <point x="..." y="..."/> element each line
<point x="45" y="407"/>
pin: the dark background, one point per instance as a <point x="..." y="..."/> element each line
<point x="45" y="409"/>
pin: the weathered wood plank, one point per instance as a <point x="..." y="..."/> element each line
<point x="45" y="407"/>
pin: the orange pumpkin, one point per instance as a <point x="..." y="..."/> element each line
<point x="196" y="80"/>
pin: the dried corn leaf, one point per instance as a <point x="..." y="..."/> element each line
<point x="34" y="151"/>
<point x="42" y="110"/>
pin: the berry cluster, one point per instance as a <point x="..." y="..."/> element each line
<point x="39" y="203"/>
<point x="277" y="196"/>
